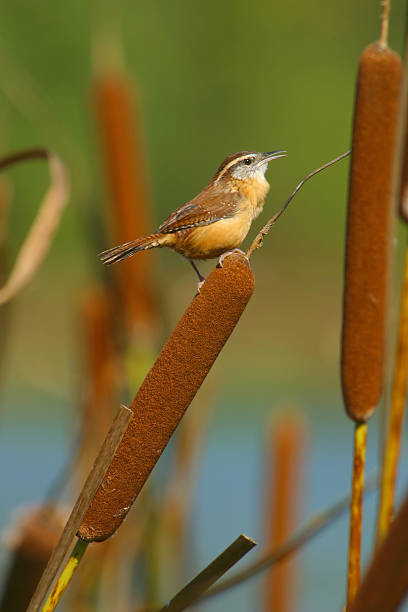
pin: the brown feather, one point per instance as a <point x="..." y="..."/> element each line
<point x="209" y="206"/>
<point x="123" y="251"/>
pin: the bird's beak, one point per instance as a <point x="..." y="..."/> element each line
<point x="267" y="157"/>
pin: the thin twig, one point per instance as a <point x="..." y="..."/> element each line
<point x="259" y="238"/>
<point x="310" y="529"/>
<point x="386" y="4"/>
<point x="194" y="589"/>
<point x="26" y="155"/>
<point x="89" y="489"/>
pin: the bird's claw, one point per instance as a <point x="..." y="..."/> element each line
<point x="200" y="284"/>
<point x="224" y="255"/>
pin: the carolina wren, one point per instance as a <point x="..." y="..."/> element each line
<point x="217" y="220"/>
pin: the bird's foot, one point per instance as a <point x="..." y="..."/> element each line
<point x="200" y="284"/>
<point x="224" y="255"/>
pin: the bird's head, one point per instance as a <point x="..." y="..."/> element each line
<point x="246" y="165"/>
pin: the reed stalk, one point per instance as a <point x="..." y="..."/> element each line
<point x="393" y="436"/>
<point x="81" y="506"/>
<point x="356" y="510"/>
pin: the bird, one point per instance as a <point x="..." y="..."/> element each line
<point x="217" y="220"/>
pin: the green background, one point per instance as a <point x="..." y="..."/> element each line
<point x="213" y="78"/>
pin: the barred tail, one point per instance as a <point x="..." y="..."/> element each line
<point x="123" y="251"/>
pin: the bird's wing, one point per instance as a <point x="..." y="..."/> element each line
<point x="207" y="207"/>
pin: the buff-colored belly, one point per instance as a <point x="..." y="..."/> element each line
<point x="212" y="240"/>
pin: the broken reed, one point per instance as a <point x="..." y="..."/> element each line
<point x="39" y="237"/>
<point x="197" y="587"/>
<point x="122" y="145"/>
<point x="369" y="231"/>
<point x="285" y="456"/>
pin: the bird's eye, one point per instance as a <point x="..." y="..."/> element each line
<point x="248" y="161"/>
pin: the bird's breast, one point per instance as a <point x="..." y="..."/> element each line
<point x="254" y="192"/>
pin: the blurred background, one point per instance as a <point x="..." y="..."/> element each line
<point x="204" y="80"/>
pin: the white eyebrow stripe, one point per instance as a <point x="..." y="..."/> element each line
<point x="233" y="162"/>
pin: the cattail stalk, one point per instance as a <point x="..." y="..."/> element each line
<point x="356" y="510"/>
<point x="65" y="577"/>
<point x="385" y="585"/>
<point x="368" y="246"/>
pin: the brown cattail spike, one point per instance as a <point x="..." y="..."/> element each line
<point x="369" y="229"/>
<point x="101" y="372"/>
<point x="286" y="449"/>
<point x="168" y="390"/>
<point x="125" y="168"/>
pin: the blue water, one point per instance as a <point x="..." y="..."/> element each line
<point x="228" y="496"/>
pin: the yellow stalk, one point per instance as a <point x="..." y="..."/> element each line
<point x="65" y="576"/>
<point x="356" y="512"/>
<point x="393" y="440"/>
